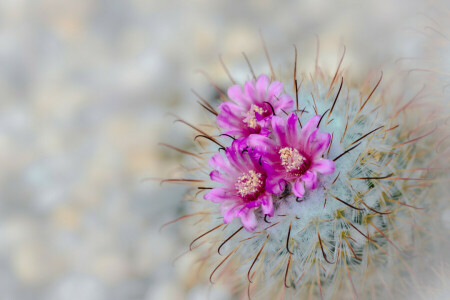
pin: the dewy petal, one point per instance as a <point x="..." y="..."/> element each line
<point x="298" y="189"/>
<point x="248" y="219"/>
<point x="323" y="166"/>
<point x="310" y="179"/>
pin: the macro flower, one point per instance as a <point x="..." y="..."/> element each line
<point x="251" y="109"/>
<point x="294" y="155"/>
<point x="244" y="186"/>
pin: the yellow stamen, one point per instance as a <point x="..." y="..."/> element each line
<point x="250" y="118"/>
<point x="291" y="159"/>
<point x="249" y="183"/>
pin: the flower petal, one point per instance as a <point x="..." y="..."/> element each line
<point x="249" y="88"/>
<point x="267" y="204"/>
<point x="235" y="93"/>
<point x="229" y="210"/>
<point x="308" y="129"/>
<point x="279" y="130"/>
<point x="218" y="162"/>
<point x="323" y="166"/>
<point x="248" y="219"/>
<point x="299" y="188"/>
<point x="218" y="177"/>
<point x="275" y="88"/>
<point x="292" y="129"/>
<point x="284" y="102"/>
<point x="261" y="144"/>
<point x="274" y="185"/>
<point x="230" y="116"/>
<point x="310" y="179"/>
<point x="261" y="87"/>
<point x="217" y="195"/>
<point x="264" y="132"/>
<point x="320" y="144"/>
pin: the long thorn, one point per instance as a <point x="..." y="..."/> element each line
<point x="249" y="65"/>
<point x="204" y="101"/>
<point x="366" y="135"/>
<point x="179" y="150"/>
<point x="226" y="70"/>
<point x="336" y="73"/>
<point x="287" y="271"/>
<point x="342" y="201"/>
<point x="256" y="258"/>
<point x="287" y="240"/>
<point x="380" y="177"/>
<point x="318" y="124"/>
<point x="182" y="218"/>
<point x="370" y="95"/>
<point x="267" y="55"/>
<point x="321" y="247"/>
<point x="209" y="138"/>
<point x="229" y="238"/>
<point x="335" y="99"/>
<point x="212" y="273"/>
<point x="346" y="152"/>
<point x="199" y="237"/>
<point x="181" y="180"/>
<point x="219" y="91"/>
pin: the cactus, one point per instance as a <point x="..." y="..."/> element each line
<point x="318" y="192"/>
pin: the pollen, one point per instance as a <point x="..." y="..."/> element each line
<point x="250" y="117"/>
<point x="292" y="160"/>
<point x="250" y="184"/>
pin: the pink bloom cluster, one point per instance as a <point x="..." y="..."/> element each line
<point x="269" y="155"/>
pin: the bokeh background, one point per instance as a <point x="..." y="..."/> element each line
<point x="85" y="88"/>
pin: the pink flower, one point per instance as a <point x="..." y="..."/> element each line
<point x="243" y="187"/>
<point x="294" y="155"/>
<point x="251" y="109"/>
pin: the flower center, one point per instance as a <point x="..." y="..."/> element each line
<point x="250" y="185"/>
<point x="250" y="117"/>
<point x="293" y="161"/>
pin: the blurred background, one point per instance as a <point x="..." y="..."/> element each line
<point x="84" y="91"/>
